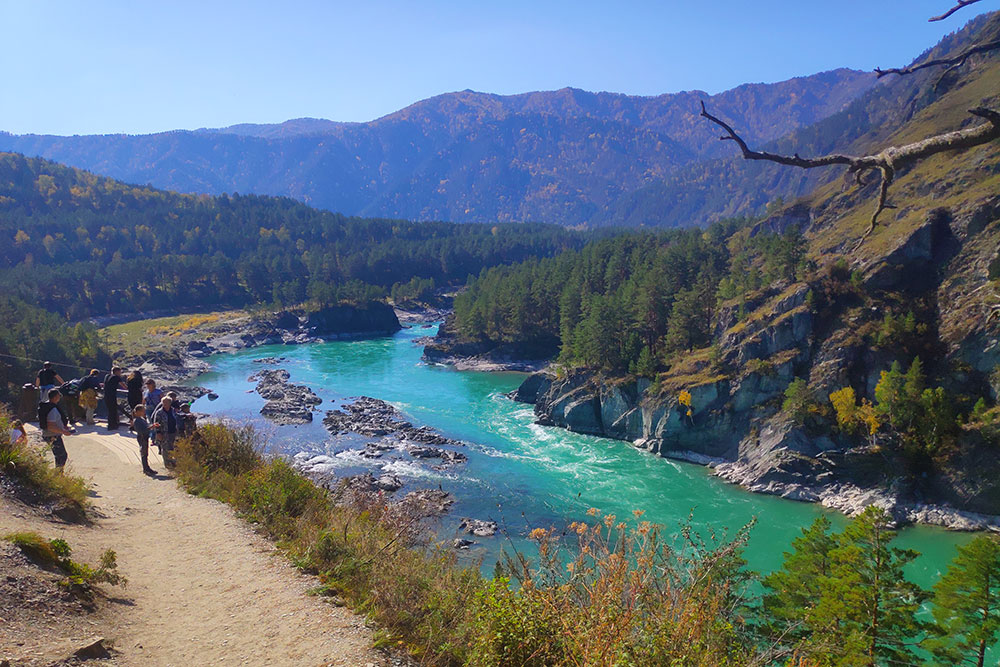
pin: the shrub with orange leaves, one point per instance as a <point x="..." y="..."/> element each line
<point x="609" y="593"/>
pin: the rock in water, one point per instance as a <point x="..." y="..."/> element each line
<point x="478" y="527"/>
<point x="286" y="403"/>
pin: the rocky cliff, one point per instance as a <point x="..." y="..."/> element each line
<point x="723" y="406"/>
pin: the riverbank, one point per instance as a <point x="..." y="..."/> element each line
<point x="173" y="348"/>
<point x="449" y="348"/>
<point x="775" y="458"/>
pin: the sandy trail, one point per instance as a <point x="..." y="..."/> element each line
<point x="203" y="587"/>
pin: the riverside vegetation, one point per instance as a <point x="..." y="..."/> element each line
<point x="609" y="591"/>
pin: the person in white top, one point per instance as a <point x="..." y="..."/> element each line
<point x="18" y="436"/>
<point x="53" y="428"/>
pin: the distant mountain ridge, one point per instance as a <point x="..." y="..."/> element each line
<point x="565" y="156"/>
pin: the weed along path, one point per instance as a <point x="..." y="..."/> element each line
<point x="203" y="588"/>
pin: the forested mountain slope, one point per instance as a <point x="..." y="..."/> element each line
<point x="816" y="361"/>
<point x="91" y="245"/>
<point x="561" y="156"/>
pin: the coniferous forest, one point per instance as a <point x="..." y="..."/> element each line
<point x="95" y="246"/>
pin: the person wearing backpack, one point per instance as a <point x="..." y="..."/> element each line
<point x="50" y="420"/>
<point x="113" y="381"/>
<point x="165" y="426"/>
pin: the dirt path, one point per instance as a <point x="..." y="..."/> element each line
<point x="203" y="588"/>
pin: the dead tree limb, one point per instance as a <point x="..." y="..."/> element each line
<point x="886" y="162"/>
<point x="960" y="5"/>
<point x="954" y="61"/>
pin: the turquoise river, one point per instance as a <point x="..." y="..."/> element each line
<point x="518" y="473"/>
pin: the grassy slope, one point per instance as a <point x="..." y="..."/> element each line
<point x="164" y="334"/>
<point x="946" y="180"/>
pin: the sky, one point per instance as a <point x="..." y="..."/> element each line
<point x="105" y="66"/>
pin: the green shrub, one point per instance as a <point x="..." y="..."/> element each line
<point x="513" y="628"/>
<point x="212" y="461"/>
<point x="55" y="554"/>
<point x="31" y="468"/>
<point x="275" y="495"/>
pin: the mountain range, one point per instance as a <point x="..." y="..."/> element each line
<point x="565" y="156"/>
<point x="569" y="156"/>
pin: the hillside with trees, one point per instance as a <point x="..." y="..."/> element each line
<point x="95" y="246"/>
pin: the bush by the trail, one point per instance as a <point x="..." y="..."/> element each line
<point x="212" y="463"/>
<point x="30" y="468"/>
<point x="80" y="577"/>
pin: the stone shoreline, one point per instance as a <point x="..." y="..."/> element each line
<point x="289" y="327"/>
<point x="781" y="460"/>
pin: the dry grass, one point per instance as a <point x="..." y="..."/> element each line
<point x="162" y="333"/>
<point x="33" y="470"/>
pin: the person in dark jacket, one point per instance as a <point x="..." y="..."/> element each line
<point x="113" y="382"/>
<point x="165" y="422"/>
<point x="141" y="428"/>
<point x="133" y="386"/>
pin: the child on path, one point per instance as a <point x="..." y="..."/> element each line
<point x="141" y="428"/>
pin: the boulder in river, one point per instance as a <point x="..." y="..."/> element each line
<point x="286" y="403"/>
<point x="478" y="527"/>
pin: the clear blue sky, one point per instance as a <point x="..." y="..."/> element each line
<point x="73" y="67"/>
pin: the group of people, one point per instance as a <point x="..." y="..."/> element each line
<point x="155" y="417"/>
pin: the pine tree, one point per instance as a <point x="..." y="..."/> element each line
<point x="967" y="604"/>
<point x="914" y="383"/>
<point x="795" y="589"/>
<point x="890" y="396"/>
<point x="867" y="604"/>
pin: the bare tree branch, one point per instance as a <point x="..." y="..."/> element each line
<point x="961" y="4"/>
<point x="954" y="61"/>
<point x="885" y="162"/>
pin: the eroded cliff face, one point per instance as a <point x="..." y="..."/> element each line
<point x="735" y="422"/>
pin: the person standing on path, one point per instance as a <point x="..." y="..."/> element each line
<point x="88" y="394"/>
<point x="141" y="428"/>
<point x="46" y="380"/>
<point x="113" y="382"/>
<point x="151" y="399"/>
<point x="50" y="419"/>
<point x="165" y="425"/>
<point x="134" y="390"/>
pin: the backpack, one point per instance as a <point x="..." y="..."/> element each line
<point x="71" y="388"/>
<point x="43" y="413"/>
